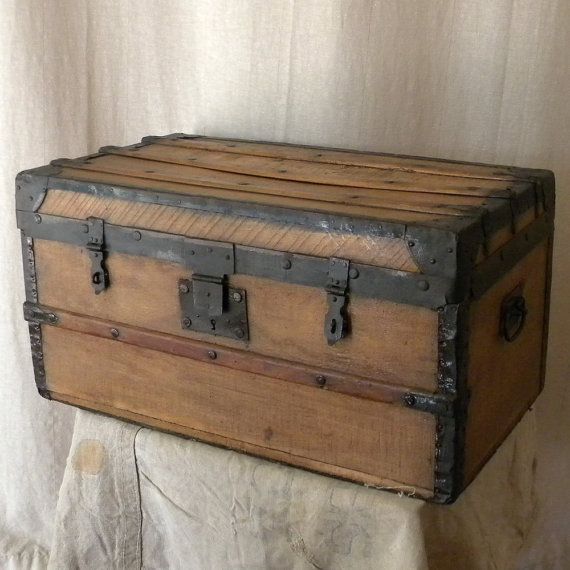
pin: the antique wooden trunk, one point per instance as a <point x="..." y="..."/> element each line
<point x="378" y="318"/>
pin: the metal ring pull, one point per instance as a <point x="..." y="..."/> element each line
<point x="513" y="317"/>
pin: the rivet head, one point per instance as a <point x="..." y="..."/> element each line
<point x="321" y="380"/>
<point x="183" y="288"/>
<point x="212" y="354"/>
<point x="423" y="285"/>
<point x="286" y="264"/>
<point x="236" y="297"/>
<point x="410" y="400"/>
<point x="137" y="236"/>
<point x="353" y="273"/>
<point x="52" y="318"/>
<point x="38" y="219"/>
<point x="186" y="323"/>
<point x="432" y="260"/>
<point x="239" y="332"/>
<point x="115" y="333"/>
<point x="411" y="243"/>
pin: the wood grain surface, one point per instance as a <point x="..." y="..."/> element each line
<point x="381" y="441"/>
<point x="504" y="378"/>
<point x="389" y="342"/>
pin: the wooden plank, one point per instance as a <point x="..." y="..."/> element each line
<point x="240" y="446"/>
<point x="219" y="191"/>
<point x="389" y="342"/>
<point x="504" y="378"/>
<point x="318" y="378"/>
<point x="379" y="197"/>
<point x="338" y="187"/>
<point x="370" y="250"/>
<point x="314" y="172"/>
<point x="364" y="436"/>
<point x="434" y="166"/>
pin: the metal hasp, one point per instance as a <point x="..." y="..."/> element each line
<point x="95" y="230"/>
<point x="336" y="320"/>
<point x="209" y="306"/>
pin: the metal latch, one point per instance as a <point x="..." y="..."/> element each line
<point x="208" y="295"/>
<point x="95" y="242"/>
<point x="336" y="320"/>
<point x="210" y="306"/>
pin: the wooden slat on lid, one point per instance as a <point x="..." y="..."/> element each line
<point x="348" y="157"/>
<point x="317" y="173"/>
<point x="443" y="204"/>
<point x="89" y="174"/>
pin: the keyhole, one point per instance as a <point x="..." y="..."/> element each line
<point x="213" y="324"/>
<point x="333" y="326"/>
<point x="96" y="278"/>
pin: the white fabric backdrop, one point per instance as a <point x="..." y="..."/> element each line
<point x="484" y="80"/>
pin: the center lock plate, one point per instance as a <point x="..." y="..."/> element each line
<point x="210" y="306"/>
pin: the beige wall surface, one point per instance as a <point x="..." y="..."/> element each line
<point x="484" y="80"/>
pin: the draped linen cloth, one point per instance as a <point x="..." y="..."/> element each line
<point x="484" y="81"/>
<point x="133" y="497"/>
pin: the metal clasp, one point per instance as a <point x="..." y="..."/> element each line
<point x="336" y="320"/>
<point x="208" y="294"/>
<point x="209" y="306"/>
<point x="95" y="242"/>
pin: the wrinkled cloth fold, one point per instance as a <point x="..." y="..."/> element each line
<point x="133" y="496"/>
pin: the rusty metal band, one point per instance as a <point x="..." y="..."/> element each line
<point x="218" y="258"/>
<point x="35" y="330"/>
<point x="437" y="248"/>
<point x="504" y="259"/>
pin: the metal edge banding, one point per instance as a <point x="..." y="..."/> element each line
<point x="32" y="185"/>
<point x="430" y="248"/>
<point x="317" y="221"/>
<point x="219" y="258"/>
<point x="35" y="330"/>
<point x="505" y="258"/>
<point x="451" y="419"/>
<point x="452" y="377"/>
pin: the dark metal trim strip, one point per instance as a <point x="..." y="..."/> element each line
<point x="218" y="355"/>
<point x="452" y="376"/>
<point x="505" y="258"/>
<point x="217" y="258"/>
<point x="35" y="329"/>
<point x="316" y="221"/>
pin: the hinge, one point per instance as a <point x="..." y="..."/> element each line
<point x="336" y="320"/>
<point x="95" y="242"/>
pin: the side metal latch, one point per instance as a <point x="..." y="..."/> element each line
<point x="95" y="242"/>
<point x="210" y="306"/>
<point x="336" y="320"/>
